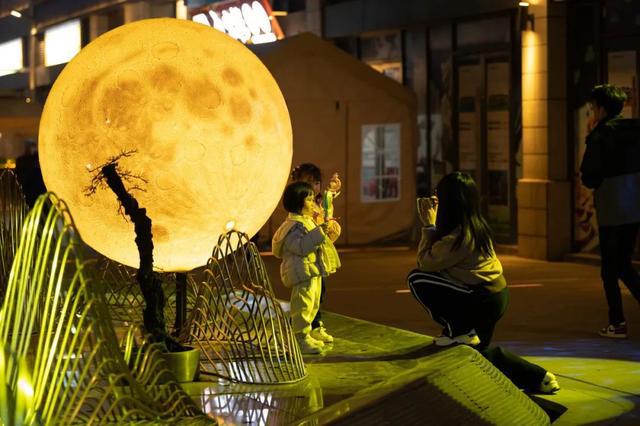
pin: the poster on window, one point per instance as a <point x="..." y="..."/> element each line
<point x="622" y="73"/>
<point x="380" y="163"/>
<point x="469" y="82"/>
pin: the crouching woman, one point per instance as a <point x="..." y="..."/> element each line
<point x="459" y="279"/>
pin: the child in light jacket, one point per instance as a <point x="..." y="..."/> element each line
<point x="459" y="280"/>
<point x="310" y="173"/>
<point x="307" y="255"/>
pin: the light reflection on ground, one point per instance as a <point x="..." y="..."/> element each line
<point x="594" y="389"/>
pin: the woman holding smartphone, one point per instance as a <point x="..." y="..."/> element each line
<point x="459" y="279"/>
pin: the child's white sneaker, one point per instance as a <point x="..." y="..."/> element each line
<point x="320" y="333"/>
<point x="309" y="345"/>
<point x="549" y="384"/>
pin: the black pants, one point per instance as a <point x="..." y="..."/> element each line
<point x="616" y="249"/>
<point x="317" y="321"/>
<point x="460" y="309"/>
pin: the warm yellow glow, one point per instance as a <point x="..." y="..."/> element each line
<point x="62" y="42"/>
<point x="531" y="52"/>
<point x="523" y="4"/>
<point x="279" y="13"/>
<point x="207" y="120"/>
<point x="25" y="386"/>
<point x="16" y="13"/>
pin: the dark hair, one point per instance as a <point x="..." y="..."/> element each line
<point x="610" y="97"/>
<point x="306" y="169"/>
<point x="294" y="195"/>
<point x="459" y="205"/>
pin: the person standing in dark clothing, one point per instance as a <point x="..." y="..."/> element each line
<point x="611" y="167"/>
<point x="29" y="174"/>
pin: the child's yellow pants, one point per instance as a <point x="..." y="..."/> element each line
<point x="305" y="302"/>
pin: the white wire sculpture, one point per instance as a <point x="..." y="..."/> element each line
<point x="123" y="295"/>
<point x="237" y="321"/>
<point x="14" y="209"/>
<point x="63" y="349"/>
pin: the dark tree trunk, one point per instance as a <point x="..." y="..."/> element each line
<point x="149" y="281"/>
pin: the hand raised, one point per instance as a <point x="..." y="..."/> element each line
<point x="427" y="210"/>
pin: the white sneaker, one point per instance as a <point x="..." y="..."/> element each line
<point x="320" y="333"/>
<point x="309" y="345"/>
<point x="549" y="384"/>
<point x="471" y="339"/>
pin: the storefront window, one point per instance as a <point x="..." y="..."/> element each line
<point x="383" y="52"/>
<point x="609" y="56"/>
<point x="622" y="71"/>
<point x="442" y="147"/>
<point x="11" y="56"/>
<point x="416" y="77"/>
<point x="62" y="42"/>
<point x="620" y="17"/>
<point x="380" y="162"/>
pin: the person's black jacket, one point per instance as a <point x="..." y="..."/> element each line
<point x="611" y="166"/>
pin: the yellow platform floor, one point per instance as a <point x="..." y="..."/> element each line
<point x="368" y="360"/>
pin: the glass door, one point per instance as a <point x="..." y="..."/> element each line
<point x="484" y="137"/>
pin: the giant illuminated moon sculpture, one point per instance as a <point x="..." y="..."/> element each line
<point x="205" y="125"/>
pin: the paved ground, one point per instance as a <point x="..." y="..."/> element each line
<point x="556" y="309"/>
<point x="375" y="375"/>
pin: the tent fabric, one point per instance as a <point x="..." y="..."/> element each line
<point x="331" y="96"/>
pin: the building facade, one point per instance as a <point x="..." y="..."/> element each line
<point x="502" y="91"/>
<point x="501" y="85"/>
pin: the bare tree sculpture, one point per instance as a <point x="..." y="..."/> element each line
<point x="113" y="177"/>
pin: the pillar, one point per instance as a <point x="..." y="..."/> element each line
<point x="544" y="192"/>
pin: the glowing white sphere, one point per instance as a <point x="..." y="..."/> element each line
<point x="208" y="124"/>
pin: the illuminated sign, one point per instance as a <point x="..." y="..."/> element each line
<point x="247" y="21"/>
<point x="11" y="56"/>
<point x="62" y="42"/>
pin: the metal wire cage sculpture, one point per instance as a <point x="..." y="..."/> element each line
<point x="237" y="321"/>
<point x="14" y="210"/>
<point x="285" y="404"/>
<point x="125" y="299"/>
<point x="56" y="318"/>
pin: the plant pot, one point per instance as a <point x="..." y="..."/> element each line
<point x="184" y="365"/>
